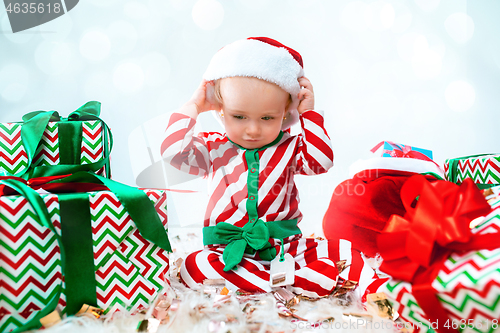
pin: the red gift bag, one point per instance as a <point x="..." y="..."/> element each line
<point x="360" y="207"/>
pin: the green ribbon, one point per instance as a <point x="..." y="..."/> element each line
<point x="43" y="218"/>
<point x="70" y="136"/>
<point x="136" y="203"/>
<point x="252" y="237"/>
<point x="453" y="170"/>
<point x="76" y="231"/>
<point x="76" y="242"/>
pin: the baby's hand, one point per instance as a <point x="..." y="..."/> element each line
<point x="201" y="101"/>
<point x="306" y="95"/>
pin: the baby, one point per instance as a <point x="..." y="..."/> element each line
<point x="258" y="89"/>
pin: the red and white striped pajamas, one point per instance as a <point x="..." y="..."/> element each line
<point x="316" y="274"/>
<point x="224" y="164"/>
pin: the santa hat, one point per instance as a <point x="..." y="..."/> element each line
<point x="265" y="59"/>
<point x="392" y="165"/>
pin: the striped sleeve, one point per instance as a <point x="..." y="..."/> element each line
<point x="315" y="154"/>
<point x="182" y="149"/>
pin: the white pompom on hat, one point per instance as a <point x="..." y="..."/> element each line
<point x="265" y="59"/>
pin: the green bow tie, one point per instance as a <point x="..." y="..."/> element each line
<point x="250" y="238"/>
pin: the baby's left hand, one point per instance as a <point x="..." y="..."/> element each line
<point x="306" y="95"/>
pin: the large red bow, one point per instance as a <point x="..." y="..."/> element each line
<point x="436" y="224"/>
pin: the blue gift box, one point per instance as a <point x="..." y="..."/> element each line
<point x="392" y="149"/>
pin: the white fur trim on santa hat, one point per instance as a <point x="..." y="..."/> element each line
<point x="254" y="58"/>
<point x="394" y="163"/>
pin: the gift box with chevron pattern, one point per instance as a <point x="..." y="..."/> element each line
<point x="482" y="169"/>
<point x="14" y="159"/>
<point x="468" y="287"/>
<point x="129" y="270"/>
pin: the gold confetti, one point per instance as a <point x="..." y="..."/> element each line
<point x="347" y="286"/>
<point x="381" y="305"/>
<point x="88" y="310"/>
<point x="309" y="299"/>
<point x="341" y="265"/>
<point x="51" y="319"/>
<point x="488" y="192"/>
<point x="286" y="297"/>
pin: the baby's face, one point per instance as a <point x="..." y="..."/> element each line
<point x="253" y="110"/>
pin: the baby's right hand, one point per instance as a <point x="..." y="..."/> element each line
<point x="203" y="98"/>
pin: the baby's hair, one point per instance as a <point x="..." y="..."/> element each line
<point x="218" y="95"/>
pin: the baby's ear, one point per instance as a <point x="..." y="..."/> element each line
<point x="288" y="102"/>
<point x="218" y="106"/>
<point x="211" y="95"/>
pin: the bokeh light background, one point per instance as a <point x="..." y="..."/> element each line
<point x="418" y="72"/>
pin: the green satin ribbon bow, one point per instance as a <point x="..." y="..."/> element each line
<point x="255" y="235"/>
<point x="250" y="238"/>
<point x="70" y="136"/>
